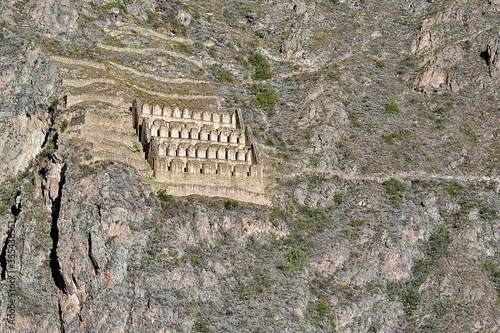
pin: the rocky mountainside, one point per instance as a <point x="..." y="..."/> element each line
<point x="377" y="123"/>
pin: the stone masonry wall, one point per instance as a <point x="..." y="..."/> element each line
<point x="198" y="148"/>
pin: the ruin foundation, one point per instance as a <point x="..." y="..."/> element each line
<point x="200" y="152"/>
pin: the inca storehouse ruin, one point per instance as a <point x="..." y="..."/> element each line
<point x="200" y="152"/>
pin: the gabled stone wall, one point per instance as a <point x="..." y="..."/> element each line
<point x="198" y="148"/>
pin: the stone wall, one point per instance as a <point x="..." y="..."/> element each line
<point x="215" y="191"/>
<point x="199" y="148"/>
<point x="200" y="118"/>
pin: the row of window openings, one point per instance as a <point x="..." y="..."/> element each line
<point x="216" y="171"/>
<point x="211" y="118"/>
<point x="224" y="157"/>
<point x="199" y="137"/>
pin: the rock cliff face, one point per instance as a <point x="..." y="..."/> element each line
<point x="27" y="84"/>
<point x="377" y="123"/>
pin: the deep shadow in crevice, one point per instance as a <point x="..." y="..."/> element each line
<point x="54" y="233"/>
<point x="3" y="258"/>
<point x="15" y="210"/>
<point x="91" y="256"/>
<point x="49" y="132"/>
<point x="485" y="57"/>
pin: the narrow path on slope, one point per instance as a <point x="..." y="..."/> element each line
<point x="175" y="96"/>
<point x="404" y="175"/>
<point x="77" y="99"/>
<point x="152" y="33"/>
<point x="78" y="62"/>
<point x="155" y="77"/>
<point x="173" y="54"/>
<point x="79" y="83"/>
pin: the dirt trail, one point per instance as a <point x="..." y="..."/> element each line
<point x="79" y="83"/>
<point x="175" y="96"/>
<point x="408" y="176"/>
<point x="150" y="50"/>
<point x="78" y="62"/>
<point x="151" y="33"/>
<point x="155" y="77"/>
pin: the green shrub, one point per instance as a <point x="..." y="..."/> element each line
<point x="285" y="156"/>
<point x="411" y="300"/>
<point x="487" y="213"/>
<point x="8" y="194"/>
<point x="163" y="196"/>
<point x="257" y="285"/>
<point x="313" y="219"/>
<point x="196" y="15"/>
<point x="64" y="125"/>
<point x="394" y="187"/>
<point x="374" y="328"/>
<point x="372" y="287"/>
<point x="318" y="312"/>
<point x="407" y="64"/>
<point x="278" y="214"/>
<point x="315" y="182"/>
<point x="265" y="96"/>
<point x="338" y="198"/>
<point x="380" y="64"/>
<point x="396" y="135"/>
<point x="116" y="4"/>
<point x="177" y="27"/>
<point x="393" y="289"/>
<point x="454" y="188"/>
<point x="491" y="186"/>
<point x="231" y="204"/>
<point x="331" y="71"/>
<point x="321" y="308"/>
<point x="295" y="259"/>
<point x="244" y="292"/>
<point x="392" y="108"/>
<point x="201" y="326"/>
<point x="438" y="243"/>
<point x="195" y="255"/>
<point x="494" y="273"/>
<point x="442" y="307"/>
<point x="48" y="151"/>
<point x="53" y="105"/>
<point x="441" y="110"/>
<point x="269" y="142"/>
<point x="224" y="75"/>
<point x="185" y="48"/>
<point x="261" y="66"/>
<point x="174" y="207"/>
<point x="435" y="248"/>
<point x="314" y="161"/>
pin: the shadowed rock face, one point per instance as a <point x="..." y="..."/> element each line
<point x="381" y="150"/>
<point x="28" y="84"/>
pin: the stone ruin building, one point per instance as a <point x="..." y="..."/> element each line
<point x="208" y="153"/>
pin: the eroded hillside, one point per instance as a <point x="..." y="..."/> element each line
<point x="377" y="123"/>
